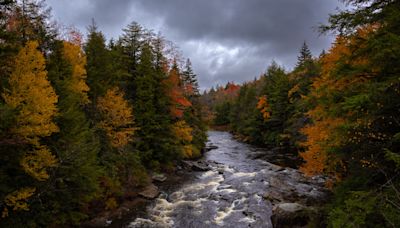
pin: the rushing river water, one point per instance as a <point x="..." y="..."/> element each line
<point x="232" y="194"/>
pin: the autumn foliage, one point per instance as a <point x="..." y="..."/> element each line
<point x="176" y="93"/>
<point x="32" y="94"/>
<point x="263" y="106"/>
<point x="117" y="118"/>
<point x="77" y="84"/>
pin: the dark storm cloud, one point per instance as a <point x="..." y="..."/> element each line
<point x="227" y="40"/>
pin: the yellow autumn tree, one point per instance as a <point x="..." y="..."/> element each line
<point x="17" y="200"/>
<point x="74" y="55"/>
<point x="183" y="132"/>
<point x="117" y="118"/>
<point x="32" y="95"/>
<point x="35" y="99"/>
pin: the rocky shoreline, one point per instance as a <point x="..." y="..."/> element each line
<point x="160" y="182"/>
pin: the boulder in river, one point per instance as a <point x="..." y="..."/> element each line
<point x="210" y="147"/>
<point x="150" y="192"/>
<point x="158" y="177"/>
<point x="292" y="215"/>
<point x="196" y="165"/>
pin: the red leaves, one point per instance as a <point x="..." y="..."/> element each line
<point x="176" y="93"/>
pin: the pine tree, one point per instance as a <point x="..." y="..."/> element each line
<point x="98" y="67"/>
<point x="144" y="108"/>
<point x="151" y="111"/>
<point x="305" y="55"/>
<point x="76" y="145"/>
<point x="189" y="79"/>
<point x="132" y="41"/>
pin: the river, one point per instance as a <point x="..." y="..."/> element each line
<point x="238" y="191"/>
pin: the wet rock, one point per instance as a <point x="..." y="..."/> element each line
<point x="196" y="165"/>
<point x="211" y="147"/>
<point x="273" y="196"/>
<point x="290" y="215"/>
<point x="275" y="168"/>
<point x="150" y="192"/>
<point x="158" y="177"/>
<point x="200" y="167"/>
<point x="289" y="207"/>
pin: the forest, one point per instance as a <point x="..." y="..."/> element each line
<point x="85" y="122"/>
<point x="82" y="121"/>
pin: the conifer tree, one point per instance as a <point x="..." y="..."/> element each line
<point x="98" y="67"/>
<point x="144" y="107"/>
<point x="132" y="41"/>
<point x="190" y="81"/>
<point x="151" y="111"/>
<point x="76" y="144"/>
<point x="305" y="55"/>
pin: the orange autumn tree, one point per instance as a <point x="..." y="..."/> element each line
<point x="32" y="95"/>
<point x="176" y="93"/>
<point x="330" y="116"/>
<point x="117" y="118"/>
<point x="264" y="107"/>
<point x="320" y="133"/>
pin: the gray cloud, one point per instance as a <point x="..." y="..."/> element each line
<point x="227" y="40"/>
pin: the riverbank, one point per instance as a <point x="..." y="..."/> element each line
<point x="160" y="184"/>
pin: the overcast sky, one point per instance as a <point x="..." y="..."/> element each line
<point x="226" y="40"/>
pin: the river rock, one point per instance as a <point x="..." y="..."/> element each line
<point x="158" y="177"/>
<point x="290" y="215"/>
<point x="200" y="167"/>
<point x="196" y="165"/>
<point x="150" y="192"/>
<point x="273" y="196"/>
<point x="211" y="147"/>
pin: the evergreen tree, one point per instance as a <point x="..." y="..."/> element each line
<point x="190" y="80"/>
<point x="305" y="55"/>
<point x="76" y="178"/>
<point x="132" y="42"/>
<point x="98" y="67"/>
<point x="144" y="108"/>
<point x="32" y="22"/>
